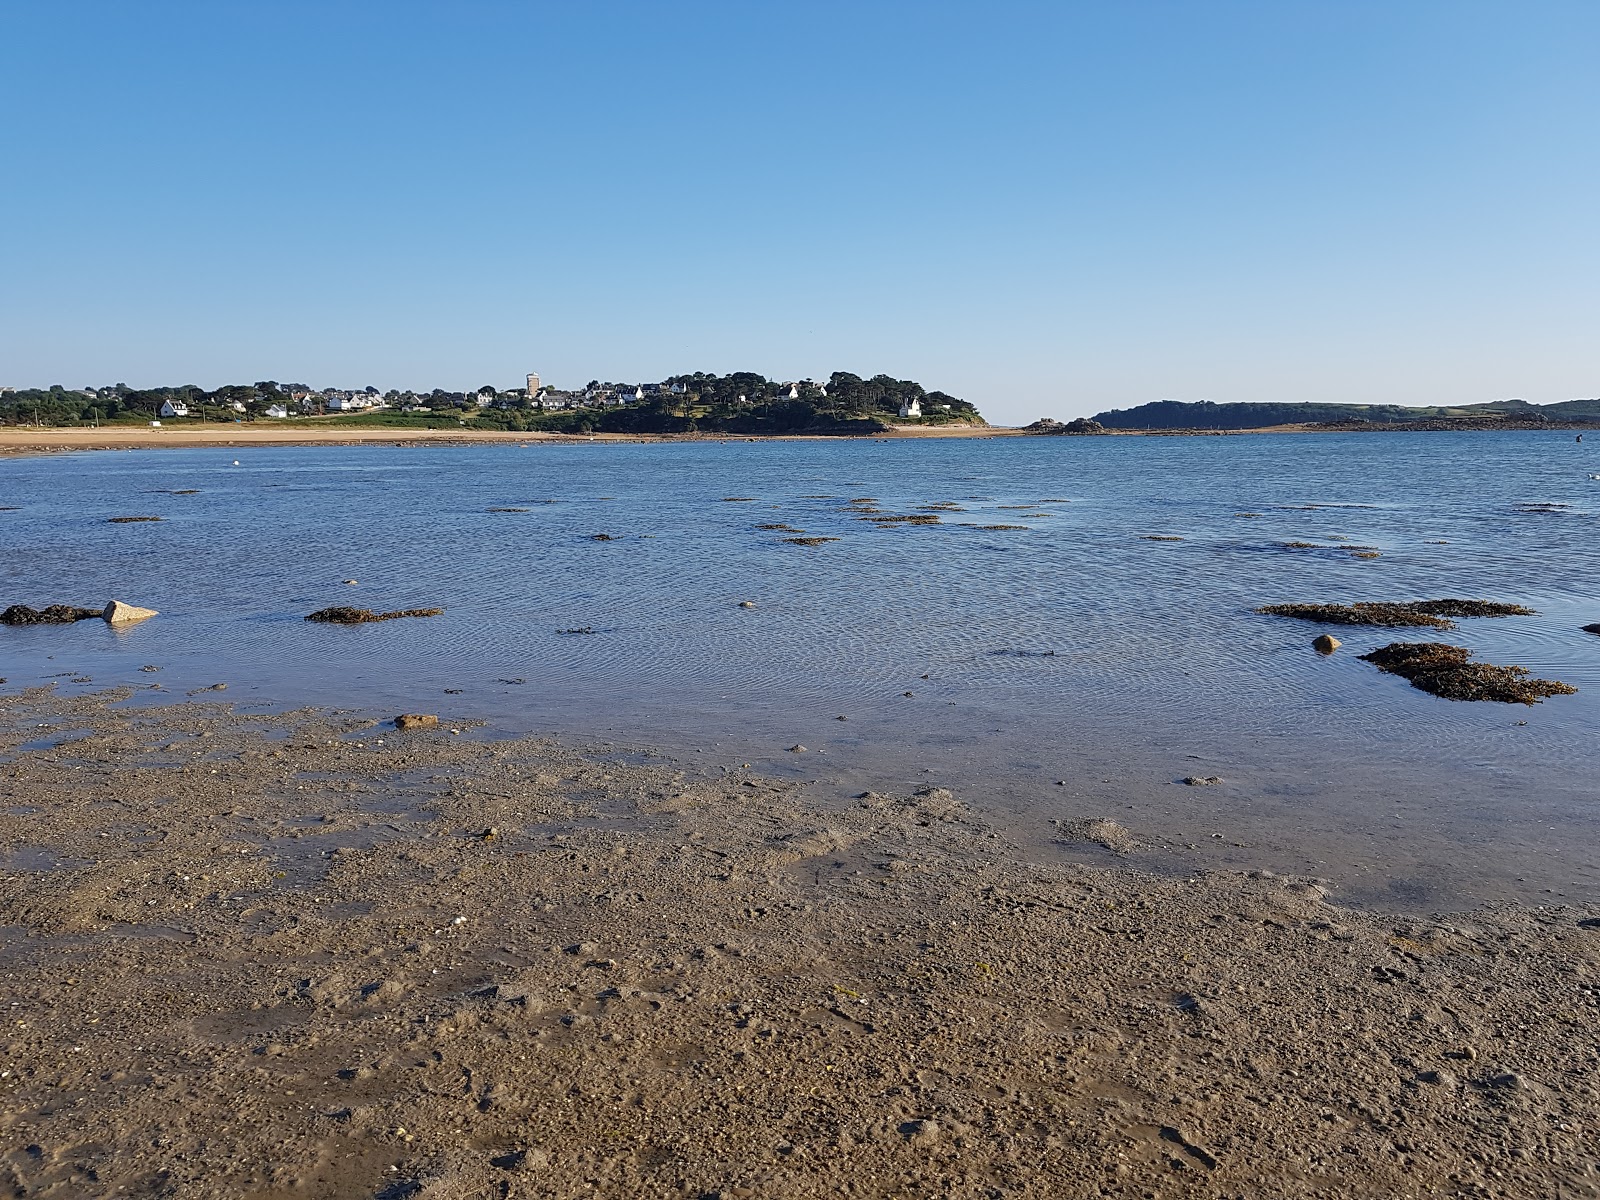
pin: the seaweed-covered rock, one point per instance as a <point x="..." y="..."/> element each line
<point x="1452" y="607"/>
<point x="416" y="721"/>
<point x="343" y="614"/>
<point x="1445" y="670"/>
<point x="1428" y="614"/>
<point x="54" y="614"/>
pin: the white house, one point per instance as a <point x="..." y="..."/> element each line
<point x="237" y="406"/>
<point x="174" y="408"/>
<point x="911" y="408"/>
<point x="346" y="403"/>
<point x="277" y="410"/>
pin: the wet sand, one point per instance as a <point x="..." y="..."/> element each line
<point x="306" y="955"/>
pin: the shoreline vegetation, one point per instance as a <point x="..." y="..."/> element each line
<point x="310" y="953"/>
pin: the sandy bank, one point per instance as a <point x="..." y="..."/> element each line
<point x="306" y="955"/>
<point x="23" y="440"/>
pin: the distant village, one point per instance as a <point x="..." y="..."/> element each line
<point x="678" y="402"/>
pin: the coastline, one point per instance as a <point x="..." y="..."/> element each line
<point x="327" y="958"/>
<point x="17" y="440"/>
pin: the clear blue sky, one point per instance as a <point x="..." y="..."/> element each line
<point x="1048" y="208"/>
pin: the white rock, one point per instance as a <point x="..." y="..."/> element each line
<point x="118" y="613"/>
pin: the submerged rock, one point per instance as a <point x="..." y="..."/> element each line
<point x="342" y="614"/>
<point x="1595" y="628"/>
<point x="54" y="614"/>
<point x="118" y="613"/>
<point x="131" y="520"/>
<point x="809" y="541"/>
<point x="1445" y="670"/>
<point x="1326" y="643"/>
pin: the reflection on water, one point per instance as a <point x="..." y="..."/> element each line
<point x="1028" y="651"/>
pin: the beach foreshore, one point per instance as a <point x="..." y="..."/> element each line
<point x="305" y="954"/>
<point x="47" y="439"/>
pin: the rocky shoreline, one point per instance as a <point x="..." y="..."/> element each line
<point x="308" y="954"/>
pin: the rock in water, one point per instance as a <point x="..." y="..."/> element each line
<point x="118" y="613"/>
<point x="342" y="614"/>
<point x="1326" y="644"/>
<point x="54" y="614"/>
<point x="416" y="721"/>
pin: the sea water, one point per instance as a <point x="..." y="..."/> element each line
<point x="1070" y="666"/>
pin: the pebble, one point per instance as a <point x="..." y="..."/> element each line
<point x="747" y="604"/>
<point x="1202" y="780"/>
<point x="797" y="748"/>
<point x="1326" y="644"/>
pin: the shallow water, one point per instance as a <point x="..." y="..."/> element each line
<point x="1072" y="649"/>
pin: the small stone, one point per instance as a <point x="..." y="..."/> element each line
<point x="416" y="721"/>
<point x="747" y="604"/>
<point x="490" y="834"/>
<point x="118" y="613"/>
<point x="841" y="718"/>
<point x="797" y="748"/>
<point x="1508" y="1079"/>
<point x="1440" y="1078"/>
<point x="1326" y="644"/>
<point x="351" y="582"/>
<point x="1202" y="780"/>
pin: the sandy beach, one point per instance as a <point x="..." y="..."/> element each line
<point x="33" y="440"/>
<point x="309" y="955"/>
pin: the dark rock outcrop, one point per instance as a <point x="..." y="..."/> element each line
<point x="341" y="614"/>
<point x="55" y="614"/>
<point x="1078" y="426"/>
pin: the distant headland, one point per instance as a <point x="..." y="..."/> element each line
<point x="742" y="404"/>
<point x="1203" y="416"/>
